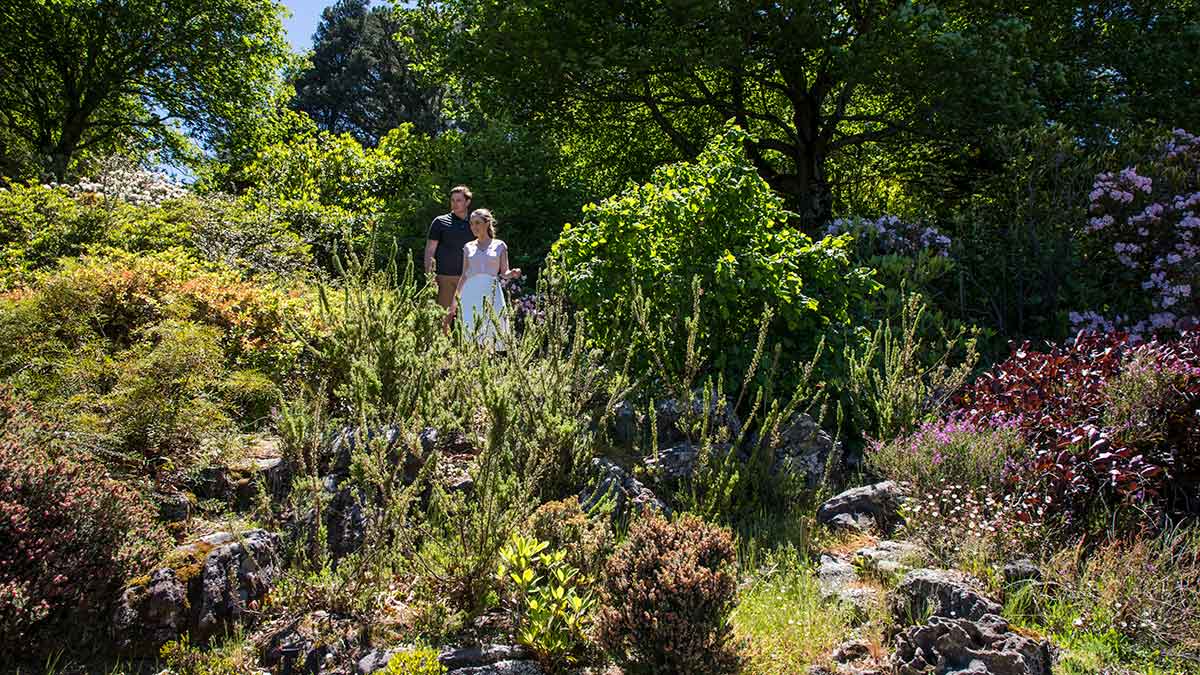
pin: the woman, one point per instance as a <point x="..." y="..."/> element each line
<point x="485" y="263"/>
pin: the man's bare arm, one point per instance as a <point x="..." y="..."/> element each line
<point x="430" y="248"/>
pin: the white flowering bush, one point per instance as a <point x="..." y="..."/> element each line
<point x="962" y="525"/>
<point x="889" y="235"/>
<point x="1143" y="242"/>
<point x="121" y="179"/>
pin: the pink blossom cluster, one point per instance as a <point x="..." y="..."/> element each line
<point x="893" y="236"/>
<point x="1149" y="224"/>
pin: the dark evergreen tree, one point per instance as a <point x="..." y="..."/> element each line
<point x="361" y="79"/>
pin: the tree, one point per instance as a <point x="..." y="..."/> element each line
<point x="811" y="80"/>
<point x="77" y="75"/>
<point x="837" y="92"/>
<point x="360" y="80"/>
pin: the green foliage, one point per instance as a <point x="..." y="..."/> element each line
<point x="460" y="539"/>
<point x="816" y="83"/>
<point x="379" y="346"/>
<point x="163" y="397"/>
<point x="229" y="658"/>
<point x="899" y="380"/>
<point x="550" y="601"/>
<point x="329" y="188"/>
<point x="717" y="220"/>
<point x="522" y="423"/>
<point x="783" y="620"/>
<point x="1129" y="604"/>
<point x="146" y="357"/>
<point x="41" y="224"/>
<point x="79" y="76"/>
<point x="563" y="525"/>
<point x="668" y="592"/>
<point x="419" y="661"/>
<point x="1019" y="268"/>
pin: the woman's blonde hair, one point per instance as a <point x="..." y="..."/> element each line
<point x="487" y="217"/>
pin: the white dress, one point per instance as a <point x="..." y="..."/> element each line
<point x="482" y="308"/>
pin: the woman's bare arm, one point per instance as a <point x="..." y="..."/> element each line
<point x="505" y="272"/>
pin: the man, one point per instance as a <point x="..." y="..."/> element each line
<point x="448" y="234"/>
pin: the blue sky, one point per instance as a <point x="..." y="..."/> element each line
<point x="306" y="14"/>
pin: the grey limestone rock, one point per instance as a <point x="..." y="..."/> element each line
<point x="877" y="504"/>
<point x="945" y="593"/>
<point x="984" y="646"/>
<point x="210" y="584"/>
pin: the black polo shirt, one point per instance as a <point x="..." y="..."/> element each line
<point x="451" y="233"/>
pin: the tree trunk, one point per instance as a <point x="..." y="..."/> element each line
<point x="807" y="191"/>
<point x="64" y="150"/>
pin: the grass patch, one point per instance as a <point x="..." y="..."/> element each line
<point x="781" y="619"/>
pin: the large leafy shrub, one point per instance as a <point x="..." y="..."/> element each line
<point x="146" y="355"/>
<point x="667" y="596"/>
<point x="71" y="534"/>
<point x="715" y="219"/>
<point x="1081" y="407"/>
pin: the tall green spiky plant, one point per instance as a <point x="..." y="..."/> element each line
<point x="901" y="377"/>
<point x="724" y="486"/>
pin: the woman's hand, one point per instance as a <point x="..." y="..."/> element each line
<point x="514" y="273"/>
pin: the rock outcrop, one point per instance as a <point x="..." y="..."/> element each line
<point x="241" y="483"/>
<point x="804" y="449"/>
<point x="984" y="646"/>
<point x="944" y="593"/>
<point x="610" y="481"/>
<point x="487" y="659"/>
<point x="889" y="559"/>
<point x="862" y="509"/>
<point x="205" y="586"/>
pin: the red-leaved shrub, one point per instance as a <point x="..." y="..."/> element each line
<point x="70" y="533"/>
<point x="668" y="591"/>
<point x="1083" y="410"/>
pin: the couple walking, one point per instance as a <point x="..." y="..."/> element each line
<point x="470" y="262"/>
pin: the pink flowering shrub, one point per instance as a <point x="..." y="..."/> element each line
<point x="526" y="306"/>
<point x="1143" y="239"/>
<point x="71" y="534"/>
<point x="960" y="451"/>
